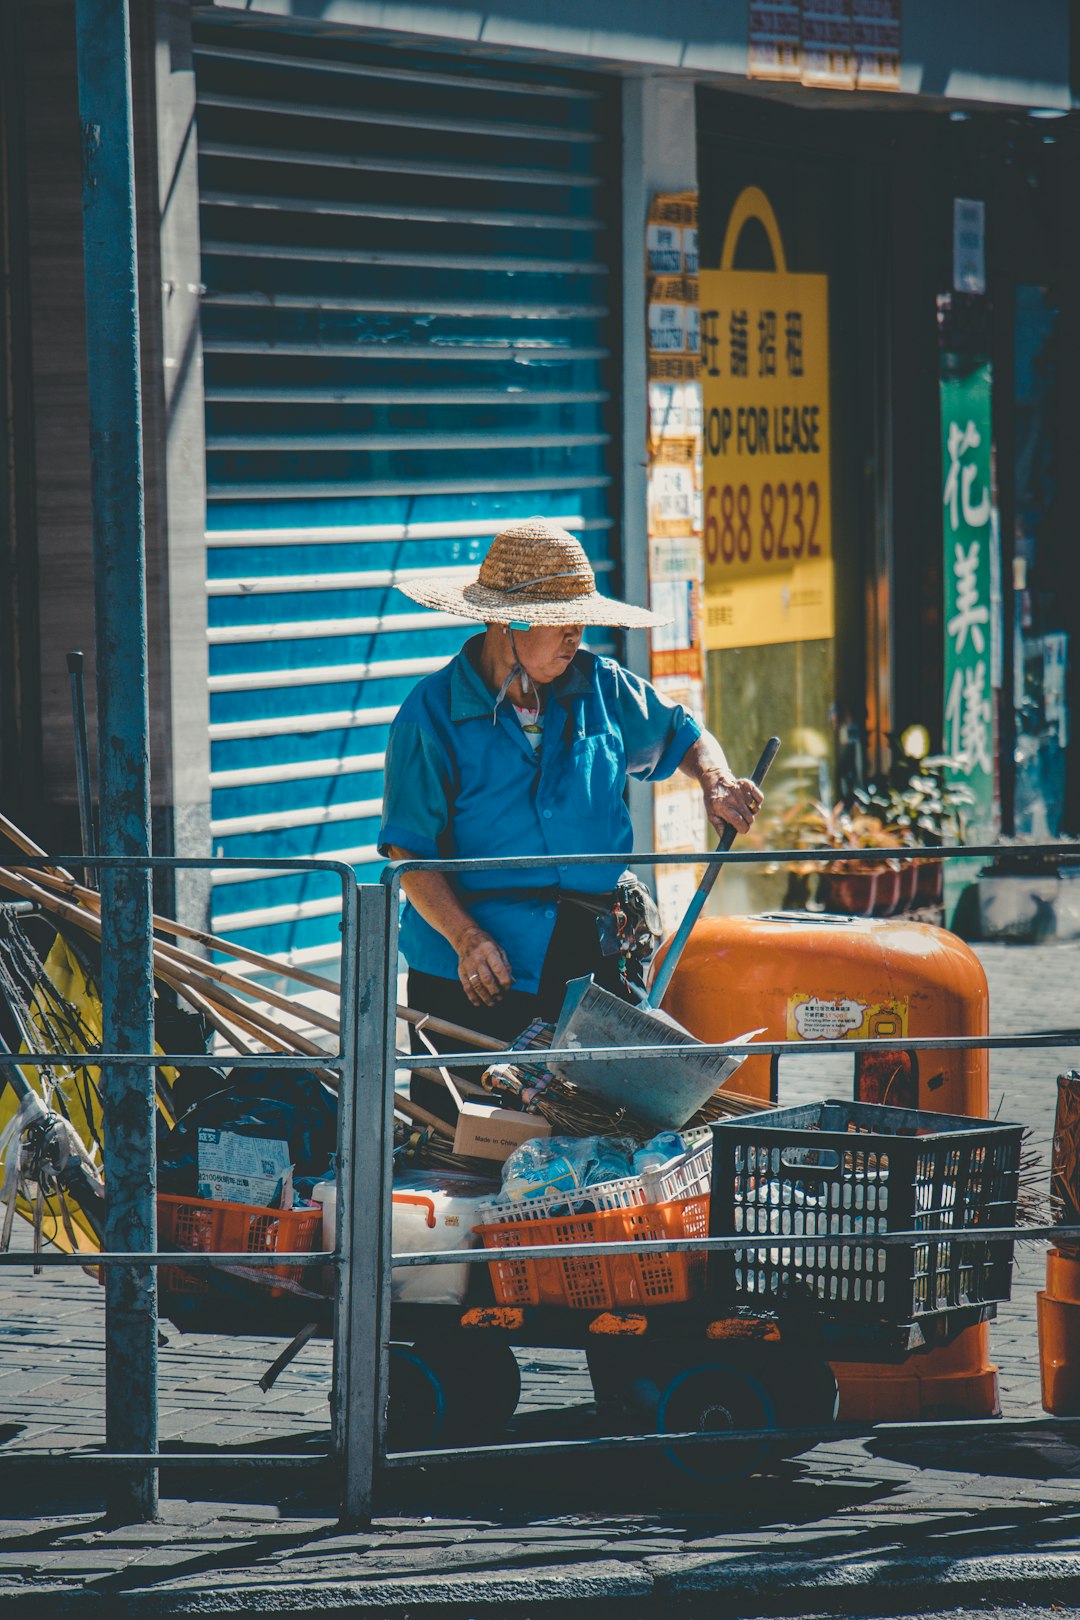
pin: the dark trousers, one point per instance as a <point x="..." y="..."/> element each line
<point x="573" y="952"/>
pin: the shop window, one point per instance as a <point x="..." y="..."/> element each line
<point x="1040" y="643"/>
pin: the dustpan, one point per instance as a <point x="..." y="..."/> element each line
<point x="662" y="1091"/>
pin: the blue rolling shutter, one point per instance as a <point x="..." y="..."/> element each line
<point x="407" y="338"/>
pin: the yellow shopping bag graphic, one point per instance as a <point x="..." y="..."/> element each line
<point x="765" y="393"/>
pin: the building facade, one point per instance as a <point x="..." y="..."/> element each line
<point x="394" y="292"/>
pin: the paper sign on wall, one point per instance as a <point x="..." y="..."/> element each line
<point x="767" y="495"/>
<point x="830" y="44"/>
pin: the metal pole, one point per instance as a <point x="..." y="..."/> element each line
<point x="82" y="761"/>
<point x="112" y="342"/>
<point x="364" y="1217"/>
<point x="346" y="1127"/>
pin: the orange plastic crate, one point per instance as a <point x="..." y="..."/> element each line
<point x="594" y="1283"/>
<point x="205" y="1226"/>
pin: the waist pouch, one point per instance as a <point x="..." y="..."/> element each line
<point x="627" y="919"/>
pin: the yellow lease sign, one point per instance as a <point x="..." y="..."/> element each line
<point x="765" y="395"/>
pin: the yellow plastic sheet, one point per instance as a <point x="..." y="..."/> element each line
<point x="74" y="1092"/>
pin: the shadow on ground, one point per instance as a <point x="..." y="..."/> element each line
<point x="1007" y="1454"/>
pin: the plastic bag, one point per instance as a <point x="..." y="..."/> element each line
<point x="566" y="1164"/>
<point x="292" y="1105"/>
<point x="658" y="1150"/>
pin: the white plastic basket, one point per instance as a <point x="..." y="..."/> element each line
<point x="687" y="1176"/>
<point x="622" y="1194"/>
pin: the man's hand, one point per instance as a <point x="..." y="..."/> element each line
<point x="730" y="801"/>
<point x="483" y="968"/>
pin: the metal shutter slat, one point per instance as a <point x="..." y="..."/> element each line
<point x="313" y="816"/>
<point x="308" y="629"/>
<point x="326" y="674"/>
<point x="340" y="443"/>
<point x="341" y="69"/>
<point x="524" y="352"/>
<point x="305" y="770"/>
<point x="406" y="119"/>
<point x="381" y="287"/>
<point x="397" y="396"/>
<point x="403" y="306"/>
<point x="294" y="725"/>
<point x="374" y="164"/>
<point x="508" y="263"/>
<point x="414" y="488"/>
<point x="431" y="215"/>
<point x="376" y="534"/>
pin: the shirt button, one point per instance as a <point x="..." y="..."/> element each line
<point x="547" y="815"/>
<point x="549" y="913"/>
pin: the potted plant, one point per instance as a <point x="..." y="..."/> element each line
<point x="912" y="805"/>
<point x="859" y="888"/>
<point x="862" y="888"/>
<point x="921" y="803"/>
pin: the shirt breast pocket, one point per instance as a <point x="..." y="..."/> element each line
<point x="597" y="772"/>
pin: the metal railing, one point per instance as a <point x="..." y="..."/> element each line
<point x="367" y="1063"/>
<point x="360" y="1162"/>
<point x="386" y="1459"/>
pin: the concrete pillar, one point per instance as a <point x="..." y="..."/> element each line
<point x="659" y="153"/>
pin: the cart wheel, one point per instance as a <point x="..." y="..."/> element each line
<point x="490" y="1383"/>
<point x="802" y="1388"/>
<point x="721" y="1394"/>
<point x="460" y="1387"/>
<point x="664" y="1390"/>
<point x="416" y="1411"/>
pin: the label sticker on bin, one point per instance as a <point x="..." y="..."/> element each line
<point x="813" y="1017"/>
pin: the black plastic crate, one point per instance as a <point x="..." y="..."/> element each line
<point x="835" y="1167"/>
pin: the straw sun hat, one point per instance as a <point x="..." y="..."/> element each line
<point x="535" y="573"/>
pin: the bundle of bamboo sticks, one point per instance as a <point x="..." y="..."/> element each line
<point x="245" y="1013"/>
<point x="248" y="1014"/>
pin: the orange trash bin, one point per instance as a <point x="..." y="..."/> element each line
<point x="801" y="976"/>
<point x="1058" y="1305"/>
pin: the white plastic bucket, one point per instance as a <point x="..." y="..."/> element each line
<point x="433" y="1210"/>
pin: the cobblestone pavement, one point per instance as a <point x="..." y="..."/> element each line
<point x="852" y="1515"/>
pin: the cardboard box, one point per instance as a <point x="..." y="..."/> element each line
<point x="486" y="1131"/>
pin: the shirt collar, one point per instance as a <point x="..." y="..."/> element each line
<point x="470" y="697"/>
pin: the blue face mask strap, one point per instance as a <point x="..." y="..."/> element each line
<point x="516" y="669"/>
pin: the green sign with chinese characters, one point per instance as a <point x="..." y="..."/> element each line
<point x="969" y="535"/>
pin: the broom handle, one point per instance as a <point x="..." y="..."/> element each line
<point x="64" y="882"/>
<point x="82" y="758"/>
<point x="57" y="878"/>
<point x="24" y="842"/>
<point x="703" y="890"/>
<point x="199" y="976"/>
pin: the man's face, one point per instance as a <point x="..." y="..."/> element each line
<point x="546" y="650"/>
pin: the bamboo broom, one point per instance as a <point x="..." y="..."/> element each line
<point x="59" y="881"/>
<point x="569" y="1111"/>
<point x="232" y="1018"/>
<point x="565" y="1106"/>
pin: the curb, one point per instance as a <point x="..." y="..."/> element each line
<point x="698" y="1584"/>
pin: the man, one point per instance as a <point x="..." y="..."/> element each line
<point x="521" y="746"/>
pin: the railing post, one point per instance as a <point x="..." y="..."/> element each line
<point x="112" y="343"/>
<point x="363" y="1298"/>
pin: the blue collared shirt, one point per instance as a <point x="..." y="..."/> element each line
<point x="460" y="786"/>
